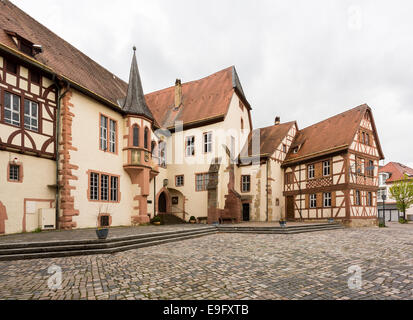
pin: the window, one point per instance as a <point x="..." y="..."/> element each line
<point x="369" y="199"/>
<point x="367" y="139"/>
<point x="201" y="181"/>
<point x="11" y="109"/>
<point x="112" y="136"/>
<point x="284" y="148"/>
<point x="146" y="138"/>
<point x="108" y="134"/>
<point x="370" y="168"/>
<point x="114" y="187"/>
<point x="103" y="187"/>
<point x="11" y="67"/>
<point x="26" y="48"/>
<point x="135" y="136"/>
<point x="358" y="198"/>
<point x="190" y="146"/>
<point x="162" y="153"/>
<point x="34" y="77"/>
<point x="14" y="173"/>
<point x="246" y="183"/>
<point x="232" y="147"/>
<point x="363" y="137"/>
<point x="326" y="168"/>
<point x="327" y="199"/>
<point x="94" y="186"/>
<point x="313" y="201"/>
<point x="31" y="116"/>
<point x="179" y="181"/>
<point x="207" y="142"/>
<point x="103" y="133"/>
<point x="311" y="171"/>
<point x="289" y="177"/>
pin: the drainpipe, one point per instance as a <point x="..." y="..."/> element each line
<point x="299" y="188"/>
<point x="266" y="213"/>
<point x="60" y="97"/>
<point x="154" y="196"/>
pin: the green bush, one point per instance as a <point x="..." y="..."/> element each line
<point x="381" y="225"/>
<point x="156" y="219"/>
<point x="402" y="221"/>
<point x="192" y="218"/>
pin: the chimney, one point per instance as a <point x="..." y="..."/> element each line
<point x="178" y="93"/>
<point x="277" y="121"/>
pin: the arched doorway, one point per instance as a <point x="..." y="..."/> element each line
<point x="162" y="203"/>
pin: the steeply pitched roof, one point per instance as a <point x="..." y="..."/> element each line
<point x="397" y="171"/>
<point x="202" y="100"/>
<point x="333" y="134"/>
<point x="270" y="139"/>
<point x="135" y="103"/>
<point x="59" y="55"/>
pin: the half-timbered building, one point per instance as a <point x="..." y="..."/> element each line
<point x="80" y="147"/>
<point x="331" y="170"/>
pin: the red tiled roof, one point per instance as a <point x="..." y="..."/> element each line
<point x="202" y="99"/>
<point x="396" y="170"/>
<point x="327" y="136"/>
<point x="59" y="55"/>
<point x="270" y="139"/>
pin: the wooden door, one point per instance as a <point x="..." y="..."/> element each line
<point x="290" y="208"/>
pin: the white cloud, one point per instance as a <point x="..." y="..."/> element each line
<point x="303" y="60"/>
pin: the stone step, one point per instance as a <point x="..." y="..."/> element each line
<point x="108" y="248"/>
<point x="101" y="245"/>
<point x="95" y="241"/>
<point x="278" y="230"/>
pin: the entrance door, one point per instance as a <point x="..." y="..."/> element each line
<point x="245" y="212"/>
<point x="162" y="203"/>
<point x="290" y="208"/>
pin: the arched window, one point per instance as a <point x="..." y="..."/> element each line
<point x="146" y="138"/>
<point x="135" y="136"/>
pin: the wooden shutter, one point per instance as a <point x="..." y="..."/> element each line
<point x="333" y="199"/>
<point x="307" y="201"/>
<point x="318" y="169"/>
<point x="320" y="203"/>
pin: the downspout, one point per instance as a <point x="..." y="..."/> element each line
<point x="154" y="196"/>
<point x="299" y="188"/>
<point x="60" y="96"/>
<point x="266" y="213"/>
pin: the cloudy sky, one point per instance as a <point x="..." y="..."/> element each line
<point x="302" y="60"/>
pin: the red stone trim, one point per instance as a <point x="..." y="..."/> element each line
<point x="99" y="186"/>
<point x="168" y="200"/>
<point x="108" y="134"/>
<point x="67" y="202"/>
<point x="3" y="218"/>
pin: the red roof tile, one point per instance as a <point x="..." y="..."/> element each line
<point x="396" y="170"/>
<point x="327" y="136"/>
<point x="270" y="139"/>
<point x="59" y="55"/>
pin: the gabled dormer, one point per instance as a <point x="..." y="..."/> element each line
<point x="24" y="45"/>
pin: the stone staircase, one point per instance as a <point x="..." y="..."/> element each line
<point x="53" y="249"/>
<point x="170" y="219"/>
<point x="280" y="230"/>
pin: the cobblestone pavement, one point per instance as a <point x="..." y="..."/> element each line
<point x="231" y="266"/>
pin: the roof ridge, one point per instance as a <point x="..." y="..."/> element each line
<point x="337" y="115"/>
<point x="189" y="82"/>
<point x="274" y="125"/>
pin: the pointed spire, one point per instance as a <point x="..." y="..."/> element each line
<point x="135" y="102"/>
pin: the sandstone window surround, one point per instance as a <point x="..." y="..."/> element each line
<point x="103" y="187"/>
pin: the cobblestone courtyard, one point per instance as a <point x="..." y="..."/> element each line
<point x="231" y="266"/>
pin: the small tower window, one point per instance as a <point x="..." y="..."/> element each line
<point x="146" y="138"/>
<point x="136" y="136"/>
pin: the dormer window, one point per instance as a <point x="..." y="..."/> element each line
<point x="295" y="150"/>
<point x="26" y="47"/>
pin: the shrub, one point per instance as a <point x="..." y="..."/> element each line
<point x="402" y="221"/>
<point x="156" y="219"/>
<point x="192" y="218"/>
